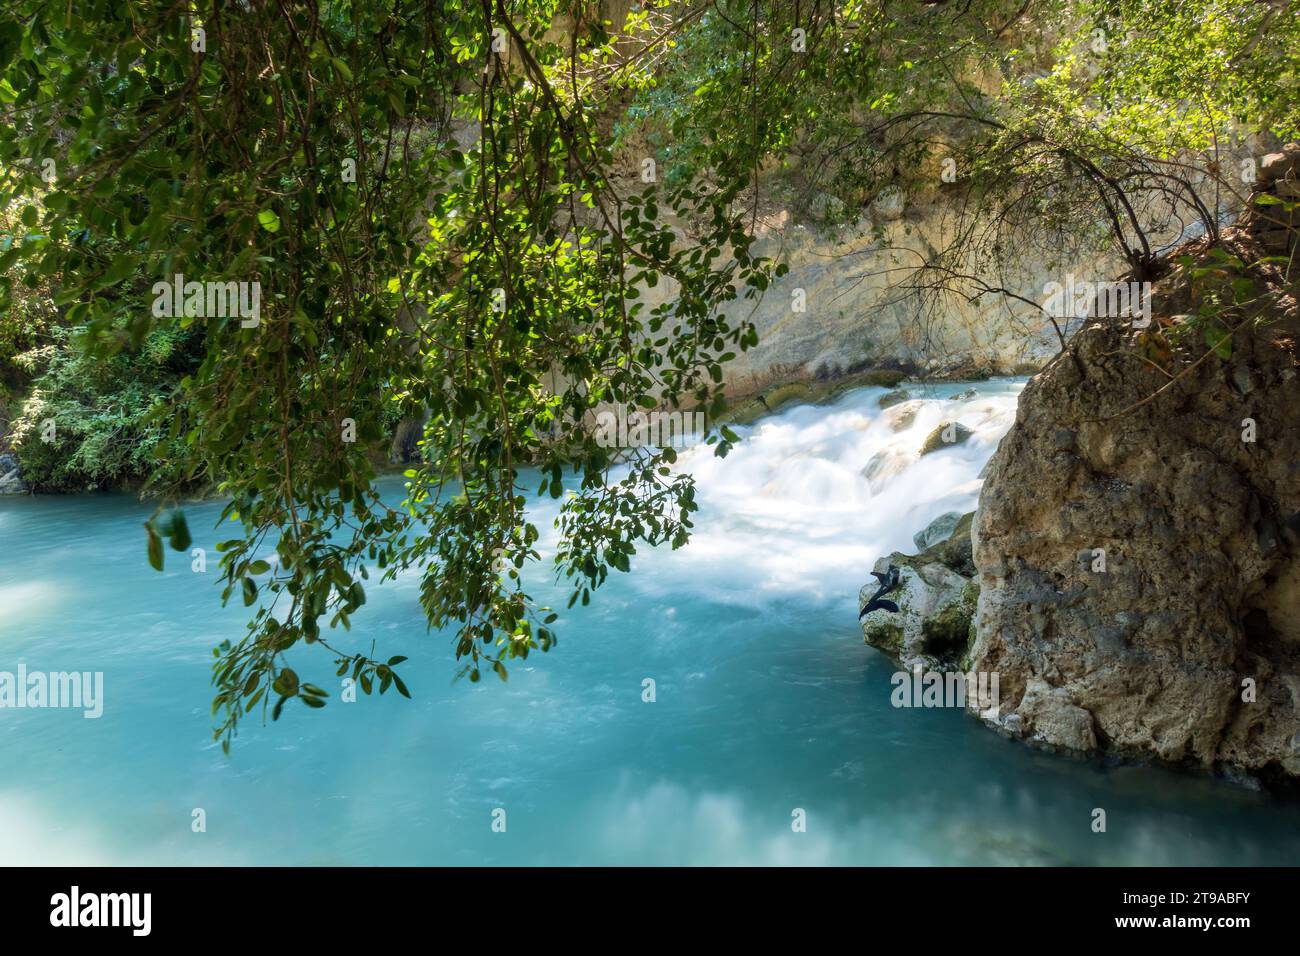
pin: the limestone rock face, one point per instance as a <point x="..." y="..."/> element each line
<point x="889" y="205"/>
<point x="1139" y="573"/>
<point x="405" y="446"/>
<point x="838" y="309"/>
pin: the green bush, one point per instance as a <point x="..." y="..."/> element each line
<point x="110" y="416"/>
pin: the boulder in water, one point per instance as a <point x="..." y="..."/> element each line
<point x="947" y="435"/>
<point x="1049" y="717"/>
<point x="936" y="601"/>
<point x="940" y="529"/>
<point x="1179" y="637"/>
<point x="884" y="465"/>
<point x="893" y="398"/>
<point x="902" y="417"/>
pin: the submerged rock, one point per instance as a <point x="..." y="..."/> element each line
<point x="947" y="435"/>
<point x="893" y="398"/>
<point x="901" y="417"/>
<point x="885" y="464"/>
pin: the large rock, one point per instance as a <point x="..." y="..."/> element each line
<point x="947" y="435"/>
<point x="936" y="603"/>
<point x="1048" y="717"/>
<point x="1276" y="223"/>
<point x="1139" y="560"/>
<point x="11" y="478"/>
<point x="810" y="320"/>
<point x="902" y="417"/>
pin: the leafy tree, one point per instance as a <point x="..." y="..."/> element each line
<point x="29" y="313"/>
<point x="419" y="191"/>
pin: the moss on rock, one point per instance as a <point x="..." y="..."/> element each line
<point x="934" y="625"/>
<point x="746" y="411"/>
<point x="885" y="635"/>
<point x="947" y="435"/>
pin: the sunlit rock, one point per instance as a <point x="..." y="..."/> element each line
<point x="947" y="435"/>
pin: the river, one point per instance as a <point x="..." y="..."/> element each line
<point x="768" y="707"/>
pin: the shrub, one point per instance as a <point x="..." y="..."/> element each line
<point x="110" y="416"/>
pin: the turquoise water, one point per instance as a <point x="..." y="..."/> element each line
<point x="767" y="702"/>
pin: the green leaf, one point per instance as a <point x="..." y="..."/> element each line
<point x="1220" y="340"/>
<point x="155" y="548"/>
<point x="120" y="269"/>
<point x="269" y="220"/>
<point x="178" y="531"/>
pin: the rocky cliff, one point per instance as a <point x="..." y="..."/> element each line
<point x="1138" y="535"/>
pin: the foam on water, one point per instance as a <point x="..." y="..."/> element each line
<point x="791" y="508"/>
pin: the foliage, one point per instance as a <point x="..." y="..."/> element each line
<point x="846" y="97"/>
<point x="227" y="155"/>
<point x="28" y="311"/>
<point x="427" y="195"/>
<point x="109" y="414"/>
